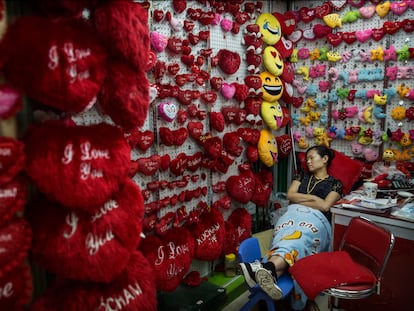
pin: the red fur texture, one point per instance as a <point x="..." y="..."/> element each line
<point x="12" y="198"/>
<point x="123" y="27"/>
<point x="16" y="288"/>
<point x="133" y="289"/>
<point x="230" y="243"/>
<point x="209" y="234"/>
<point x="12" y="159"/>
<point x="88" y="246"/>
<point x="170" y="256"/>
<point x="124" y="96"/>
<point x="59" y="63"/>
<point x="242" y="221"/>
<point x="78" y="166"/>
<point x="65" y="7"/>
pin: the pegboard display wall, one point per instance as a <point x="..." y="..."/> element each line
<point x="355" y="77"/>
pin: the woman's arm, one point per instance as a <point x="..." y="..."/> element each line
<point x="311" y="200"/>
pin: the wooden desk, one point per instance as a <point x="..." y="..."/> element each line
<point x="396" y="291"/>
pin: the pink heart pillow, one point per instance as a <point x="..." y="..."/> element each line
<point x="78" y="166"/>
<point x="93" y="246"/>
<point x="170" y="256"/>
<point x="133" y="289"/>
<point x="228" y="90"/>
<point x="60" y="63"/>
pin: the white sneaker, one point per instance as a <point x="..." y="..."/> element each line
<point x="267" y="282"/>
<point x="249" y="271"/>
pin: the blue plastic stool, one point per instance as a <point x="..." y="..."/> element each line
<point x="249" y="251"/>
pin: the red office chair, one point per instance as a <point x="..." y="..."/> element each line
<point x="249" y="251"/>
<point x="358" y="265"/>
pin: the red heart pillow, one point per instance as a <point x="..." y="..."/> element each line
<point x="209" y="234"/>
<point x="14" y="243"/>
<point x="59" y="63"/>
<point x="78" y="166"/>
<point x="123" y="27"/>
<point x="263" y="188"/>
<point x="170" y="256"/>
<point x="16" y="286"/>
<point x="12" y="158"/>
<point x="124" y="96"/>
<point x="12" y="198"/>
<point x="92" y="246"/>
<point x="342" y="167"/>
<point x="242" y="222"/>
<point x="230" y="243"/>
<point x="241" y="187"/>
<point x="133" y="289"/>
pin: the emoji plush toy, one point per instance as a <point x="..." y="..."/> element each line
<point x="272" y="114"/>
<point x="269" y="28"/>
<point x="267" y="148"/>
<point x="272" y="87"/>
<point x="273" y="61"/>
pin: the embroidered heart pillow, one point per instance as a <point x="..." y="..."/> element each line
<point x="12" y="158"/>
<point x="241" y="187"/>
<point x="78" y="166"/>
<point x="14" y="244"/>
<point x="133" y="289"/>
<point x="263" y="188"/>
<point x="170" y="256"/>
<point x="59" y="63"/>
<point x="209" y="234"/>
<point x="92" y="246"/>
<point x="242" y="222"/>
<point x="15" y="288"/>
<point x="12" y="198"/>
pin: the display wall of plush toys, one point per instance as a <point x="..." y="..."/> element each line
<point x="157" y="123"/>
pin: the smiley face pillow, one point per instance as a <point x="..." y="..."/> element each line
<point x="273" y="61"/>
<point x="272" y="114"/>
<point x="272" y="87"/>
<point x="270" y="28"/>
<point x="267" y="147"/>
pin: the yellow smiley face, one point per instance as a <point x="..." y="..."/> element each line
<point x="272" y="114"/>
<point x="267" y="148"/>
<point x="269" y="28"/>
<point x="272" y="87"/>
<point x="273" y="61"/>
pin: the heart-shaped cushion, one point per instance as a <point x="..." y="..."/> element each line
<point x="241" y="187"/>
<point x="209" y="234"/>
<point x="12" y="158"/>
<point x="230" y="244"/>
<point x="60" y="64"/>
<point x="10" y="101"/>
<point x="124" y="95"/>
<point x="242" y="222"/>
<point x="78" y="166"/>
<point x="15" y="241"/>
<point x="123" y="27"/>
<point x="228" y="61"/>
<point x="12" y="198"/>
<point x="263" y="188"/>
<point x="16" y="288"/>
<point x="168" y="110"/>
<point x="133" y="289"/>
<point x="228" y="90"/>
<point x="158" y="41"/>
<point x="170" y="256"/>
<point x="85" y="246"/>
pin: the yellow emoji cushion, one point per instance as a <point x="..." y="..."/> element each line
<point x="272" y="87"/>
<point x="273" y="61"/>
<point x="272" y="114"/>
<point x="267" y="148"/>
<point x="269" y="28"/>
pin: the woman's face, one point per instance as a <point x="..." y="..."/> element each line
<point x="314" y="161"/>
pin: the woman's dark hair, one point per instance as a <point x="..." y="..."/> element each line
<point x="322" y="151"/>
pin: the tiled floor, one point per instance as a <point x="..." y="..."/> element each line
<point x="321" y="301"/>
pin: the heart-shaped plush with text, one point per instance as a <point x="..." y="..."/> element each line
<point x="15" y="288"/>
<point x="93" y="246"/>
<point x="241" y="187"/>
<point x="12" y="198"/>
<point x="170" y="256"/>
<point x="263" y="188"/>
<point x="12" y="158"/>
<point x="209" y="235"/>
<point x="60" y="63"/>
<point x="132" y="289"/>
<point x="242" y="222"/>
<point x="141" y="139"/>
<point x="14" y="244"/>
<point x="78" y="166"/>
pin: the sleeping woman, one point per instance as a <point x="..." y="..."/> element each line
<point x="303" y="230"/>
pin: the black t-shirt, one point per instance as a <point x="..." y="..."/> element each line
<point x="309" y="184"/>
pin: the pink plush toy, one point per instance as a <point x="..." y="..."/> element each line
<point x="167" y="110"/>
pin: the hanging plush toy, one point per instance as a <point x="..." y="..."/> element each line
<point x="269" y="28"/>
<point x="272" y="87"/>
<point x="267" y="147"/>
<point x="272" y="114"/>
